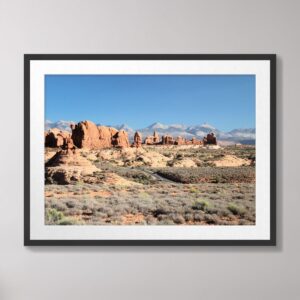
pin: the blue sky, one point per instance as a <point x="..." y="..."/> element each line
<point x="224" y="101"/>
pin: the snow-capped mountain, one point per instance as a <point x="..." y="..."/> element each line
<point x="62" y="125"/>
<point x="243" y="135"/>
<point x="125" y="127"/>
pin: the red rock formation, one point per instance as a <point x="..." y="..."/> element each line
<point x="68" y="144"/>
<point x="210" y="139"/>
<point x="55" y="137"/>
<point x="167" y="140"/>
<point x="120" y="139"/>
<point x="105" y="136"/>
<point x="155" y="138"/>
<point x="180" y="141"/>
<point x="87" y="135"/>
<point x="152" y="139"/>
<point x="68" y="166"/>
<point x="149" y="140"/>
<point x="137" y="140"/>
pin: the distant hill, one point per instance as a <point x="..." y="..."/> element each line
<point x="241" y="135"/>
<point x="62" y="125"/>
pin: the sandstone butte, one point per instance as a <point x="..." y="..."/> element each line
<point x="88" y="135"/>
<point x="67" y="165"/>
<point x="137" y="140"/>
<point x="210" y="139"/>
<point x="152" y="139"/>
<point x="120" y="139"/>
<point x="55" y="137"/>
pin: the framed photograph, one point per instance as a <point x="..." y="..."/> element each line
<point x="150" y="149"/>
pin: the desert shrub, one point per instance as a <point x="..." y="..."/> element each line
<point x="198" y="217"/>
<point x="107" y="210"/>
<point x="166" y="221"/>
<point x="136" y="175"/>
<point x="209" y="174"/>
<point x="150" y="220"/>
<point x="211" y="219"/>
<point x="193" y="190"/>
<point x="244" y="222"/>
<point x="53" y="216"/>
<point x="201" y="204"/>
<point x="223" y="212"/>
<point x="177" y="218"/>
<point x="160" y="211"/>
<point x="67" y="221"/>
<point x="57" y="205"/>
<point x="211" y="210"/>
<point x="236" y="210"/>
<point x="189" y="217"/>
<point x="70" y="204"/>
<point x="144" y="196"/>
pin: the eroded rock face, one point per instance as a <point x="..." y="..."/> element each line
<point x="55" y="137"/>
<point x="120" y="139"/>
<point x="149" y="140"/>
<point x="180" y="141"/>
<point x="152" y="139"/>
<point x="210" y="139"/>
<point x="68" y="166"/>
<point x="88" y="135"/>
<point x="105" y="136"/>
<point x="155" y="138"/>
<point x="137" y="140"/>
<point x="167" y="140"/>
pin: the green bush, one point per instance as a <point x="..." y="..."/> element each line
<point x="53" y="216"/>
<point x="235" y="209"/>
<point x="201" y="204"/>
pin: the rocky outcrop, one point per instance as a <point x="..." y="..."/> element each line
<point x="105" y="136"/>
<point x="137" y="140"/>
<point x="180" y="141"/>
<point x="167" y="140"/>
<point x="88" y="135"/>
<point x="68" y="166"/>
<point x="152" y="139"/>
<point x="155" y="137"/>
<point x="149" y="140"/>
<point x="210" y="139"/>
<point x="55" y="137"/>
<point x="120" y="139"/>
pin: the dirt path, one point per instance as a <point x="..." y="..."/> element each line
<point x="158" y="177"/>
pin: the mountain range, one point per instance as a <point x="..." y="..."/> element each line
<point x="241" y="135"/>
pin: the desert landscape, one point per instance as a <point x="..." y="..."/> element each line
<point x="100" y="175"/>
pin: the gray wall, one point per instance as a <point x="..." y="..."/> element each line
<point x="141" y="26"/>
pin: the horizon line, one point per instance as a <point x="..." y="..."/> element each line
<point x="126" y="124"/>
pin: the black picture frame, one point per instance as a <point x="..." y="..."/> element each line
<point x="31" y="57"/>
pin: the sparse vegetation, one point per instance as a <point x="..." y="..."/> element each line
<point x="137" y="190"/>
<point x="201" y="204"/>
<point x="235" y="209"/>
<point x="209" y="174"/>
